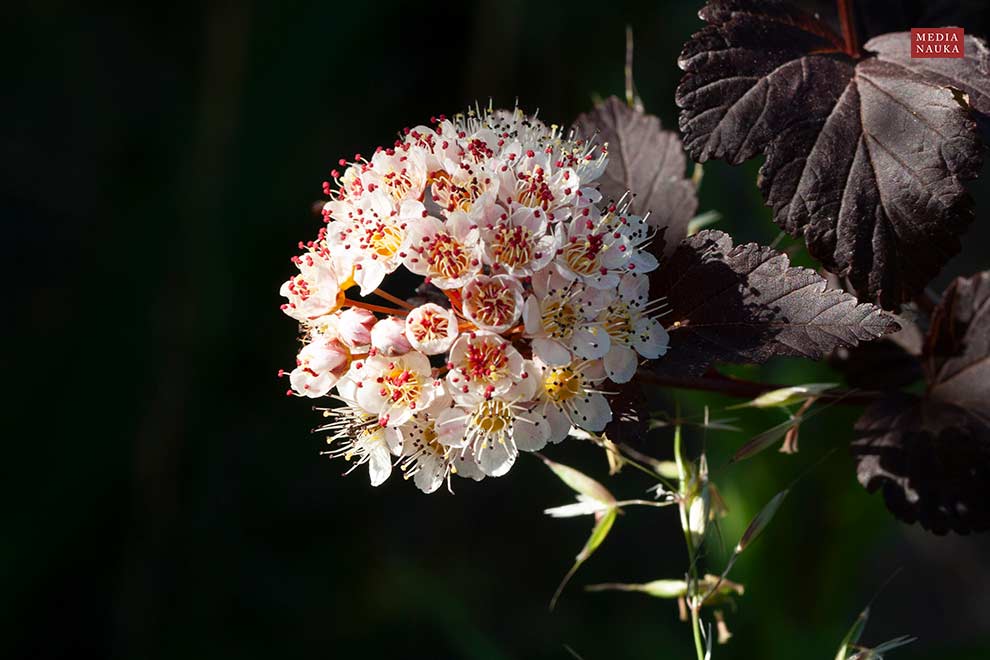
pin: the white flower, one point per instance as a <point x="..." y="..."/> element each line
<point x="591" y="252"/>
<point x="431" y="329"/>
<point x="631" y="329"/>
<point x="494" y="429"/>
<point x="447" y="253"/>
<point x="319" y="366"/>
<point x="562" y="317"/>
<point x="568" y="396"/>
<point x="493" y="303"/>
<point x="393" y="388"/>
<point x="315" y="291"/>
<point x="357" y="436"/>
<point x="483" y="364"/>
<point x="424" y="459"/>
<point x="518" y="244"/>
<point x="369" y="239"/>
<point x="401" y="172"/>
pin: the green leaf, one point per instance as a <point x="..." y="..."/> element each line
<point x="761" y="521"/>
<point x="656" y="588"/>
<point x="601" y="529"/>
<point x="753" y="531"/>
<point x="853" y="635"/>
<point x="580" y="482"/>
<point x="786" y="396"/>
<point x="676" y="588"/>
<point x="763" y="441"/>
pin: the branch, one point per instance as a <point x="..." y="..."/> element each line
<point x="746" y="389"/>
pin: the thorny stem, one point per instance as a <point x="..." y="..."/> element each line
<point x="745" y="389"/>
<point x="848" y="27"/>
<point x="693" y="603"/>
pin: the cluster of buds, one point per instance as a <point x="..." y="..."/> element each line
<point x="535" y="294"/>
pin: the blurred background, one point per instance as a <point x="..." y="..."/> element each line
<point x="166" y="500"/>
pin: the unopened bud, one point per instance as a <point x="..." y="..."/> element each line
<point x="389" y="337"/>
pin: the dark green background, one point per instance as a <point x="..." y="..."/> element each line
<point x="165" y="500"/>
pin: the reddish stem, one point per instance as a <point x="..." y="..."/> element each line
<point x="392" y="299"/>
<point x="848" y="27"/>
<point x="375" y="308"/>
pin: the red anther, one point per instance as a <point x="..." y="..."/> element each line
<point x="288" y="393"/>
<point x="530" y="153"/>
<point x="342" y="162"/>
<point x="281" y="372"/>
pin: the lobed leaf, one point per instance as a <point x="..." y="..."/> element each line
<point x="930" y="455"/>
<point x="746" y="304"/>
<point x="647" y="161"/>
<point x="865" y="157"/>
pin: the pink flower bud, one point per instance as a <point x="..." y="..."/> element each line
<point x="320" y="366"/>
<point x="354" y="327"/>
<point x="389" y="336"/>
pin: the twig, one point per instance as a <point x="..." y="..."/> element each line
<point x="848" y="27"/>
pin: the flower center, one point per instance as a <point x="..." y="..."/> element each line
<point x="619" y="322"/>
<point x="430" y="326"/>
<point x="493" y="417"/>
<point x="532" y="189"/>
<point x="511" y="246"/>
<point x="398" y="184"/>
<point x="383" y="239"/>
<point x="559" y="318"/>
<point x="562" y="384"/>
<point x="492" y="304"/>
<point x="452" y="196"/>
<point x="447" y="257"/>
<point x="400" y="386"/>
<point x="581" y="253"/>
<point x="485" y="360"/>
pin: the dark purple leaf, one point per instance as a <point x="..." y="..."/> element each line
<point x="957" y="351"/>
<point x="930" y="459"/>
<point x="865" y="158"/>
<point x="647" y="161"/>
<point x="891" y="362"/>
<point x="746" y="303"/>
<point x="931" y="455"/>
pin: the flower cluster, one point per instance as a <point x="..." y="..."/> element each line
<point x="535" y="293"/>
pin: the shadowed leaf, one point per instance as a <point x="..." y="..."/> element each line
<point x="930" y="459"/>
<point x="647" y="161"/>
<point x="746" y="304"/>
<point x="930" y="456"/>
<point x="957" y="351"/>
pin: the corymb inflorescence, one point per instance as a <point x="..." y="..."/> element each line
<point x="534" y="296"/>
